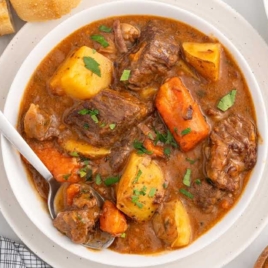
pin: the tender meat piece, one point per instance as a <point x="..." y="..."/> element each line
<point x="232" y="150"/>
<point x="79" y="219"/>
<point x="118" y="37"/>
<point x="76" y="224"/>
<point x="122" y="110"/>
<point x="39" y="124"/>
<point x="156" y="52"/>
<point x="206" y="196"/>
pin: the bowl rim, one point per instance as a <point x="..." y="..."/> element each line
<point x="12" y="117"/>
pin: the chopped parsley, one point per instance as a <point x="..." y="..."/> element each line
<point x="152" y="192"/>
<point x="100" y="39"/>
<point x="191" y="161"/>
<point x="92" y="65"/>
<point x="227" y="101"/>
<point x="86" y="126"/>
<point x="105" y="29"/>
<point x="125" y="75"/>
<point x="137" y="177"/>
<point x="187" y="177"/>
<point x="167" y="151"/>
<point x="98" y="179"/>
<point x="112" y="126"/>
<point x="93" y="114"/>
<point x="140" y="148"/>
<point x="74" y="154"/>
<point x="85" y="172"/>
<point x="123" y="235"/>
<point x="165" y="138"/>
<point x="165" y="185"/>
<point x="111" y="180"/>
<point x="66" y="176"/>
<point x="186" y="193"/>
<point x="150" y="135"/>
<point x="186" y="131"/>
<point x="198" y="181"/>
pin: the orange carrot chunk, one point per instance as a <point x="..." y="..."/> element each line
<point x="181" y="114"/>
<point x="155" y="149"/>
<point x="112" y="220"/>
<point x="63" y="168"/>
<point x="71" y="191"/>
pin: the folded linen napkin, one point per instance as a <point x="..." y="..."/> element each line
<point x="15" y="255"/>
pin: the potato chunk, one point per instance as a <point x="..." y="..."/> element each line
<point x="140" y="190"/>
<point x="204" y="57"/>
<point x="74" y="79"/>
<point x="84" y="148"/>
<point x="172" y="224"/>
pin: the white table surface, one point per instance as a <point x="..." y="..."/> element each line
<point x="254" y="12"/>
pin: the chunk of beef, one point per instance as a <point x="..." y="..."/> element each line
<point x="156" y="52"/>
<point x="232" y="150"/>
<point x="206" y="196"/>
<point x="79" y="219"/>
<point x="39" y="124"/>
<point x="119" y="40"/>
<point x="122" y="110"/>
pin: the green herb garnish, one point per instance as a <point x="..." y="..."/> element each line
<point x="152" y="192"/>
<point x="191" y="161"/>
<point x="198" y="181"/>
<point x="105" y="29"/>
<point x="150" y="135"/>
<point x="137" y="177"/>
<point x="125" y="75"/>
<point x="111" y="180"/>
<point x="74" y="154"/>
<point x="140" y="148"/>
<point x="98" y="179"/>
<point x="66" y="176"/>
<point x="112" y="126"/>
<point x="100" y="39"/>
<point x="186" y="131"/>
<point x="187" y="177"/>
<point x="167" y="151"/>
<point x="227" y="101"/>
<point x="123" y="235"/>
<point x="186" y="193"/>
<point x="93" y="114"/>
<point x="92" y="65"/>
<point x="165" y="185"/>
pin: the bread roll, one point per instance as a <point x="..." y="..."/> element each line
<point x="6" y="22"/>
<point x="41" y="10"/>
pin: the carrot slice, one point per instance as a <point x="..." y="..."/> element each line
<point x="112" y="220"/>
<point x="181" y="114"/>
<point x="155" y="149"/>
<point x="64" y="168"/>
<point x="71" y="191"/>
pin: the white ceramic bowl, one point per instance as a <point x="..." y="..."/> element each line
<point x="24" y="192"/>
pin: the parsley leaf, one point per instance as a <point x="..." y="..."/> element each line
<point x="125" y="75"/>
<point x="140" y="148"/>
<point x="111" y="180"/>
<point x="66" y="176"/>
<point x="191" y="161"/>
<point x="198" y="181"/>
<point x="93" y="114"/>
<point x="186" y="193"/>
<point x="227" y="101"/>
<point x="105" y="29"/>
<point x="92" y="65"/>
<point x="187" y="177"/>
<point x="167" y="151"/>
<point x="137" y="177"/>
<point x="186" y="131"/>
<point x="98" y="179"/>
<point x="100" y="39"/>
<point x="112" y="126"/>
<point x="152" y="192"/>
<point x="74" y="154"/>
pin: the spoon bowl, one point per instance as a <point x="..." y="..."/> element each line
<point x="103" y="239"/>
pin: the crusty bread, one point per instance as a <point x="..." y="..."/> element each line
<point x="6" y="22"/>
<point x="41" y="10"/>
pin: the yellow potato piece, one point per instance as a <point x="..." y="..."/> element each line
<point x="74" y="79"/>
<point x="84" y="148"/>
<point x="140" y="188"/>
<point x="204" y="57"/>
<point x="172" y="224"/>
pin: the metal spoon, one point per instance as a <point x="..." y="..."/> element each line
<point x="103" y="240"/>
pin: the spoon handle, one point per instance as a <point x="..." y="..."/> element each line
<point x="16" y="139"/>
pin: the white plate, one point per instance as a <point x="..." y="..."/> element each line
<point x="240" y="235"/>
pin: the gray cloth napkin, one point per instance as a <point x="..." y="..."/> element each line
<point x="15" y="255"/>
